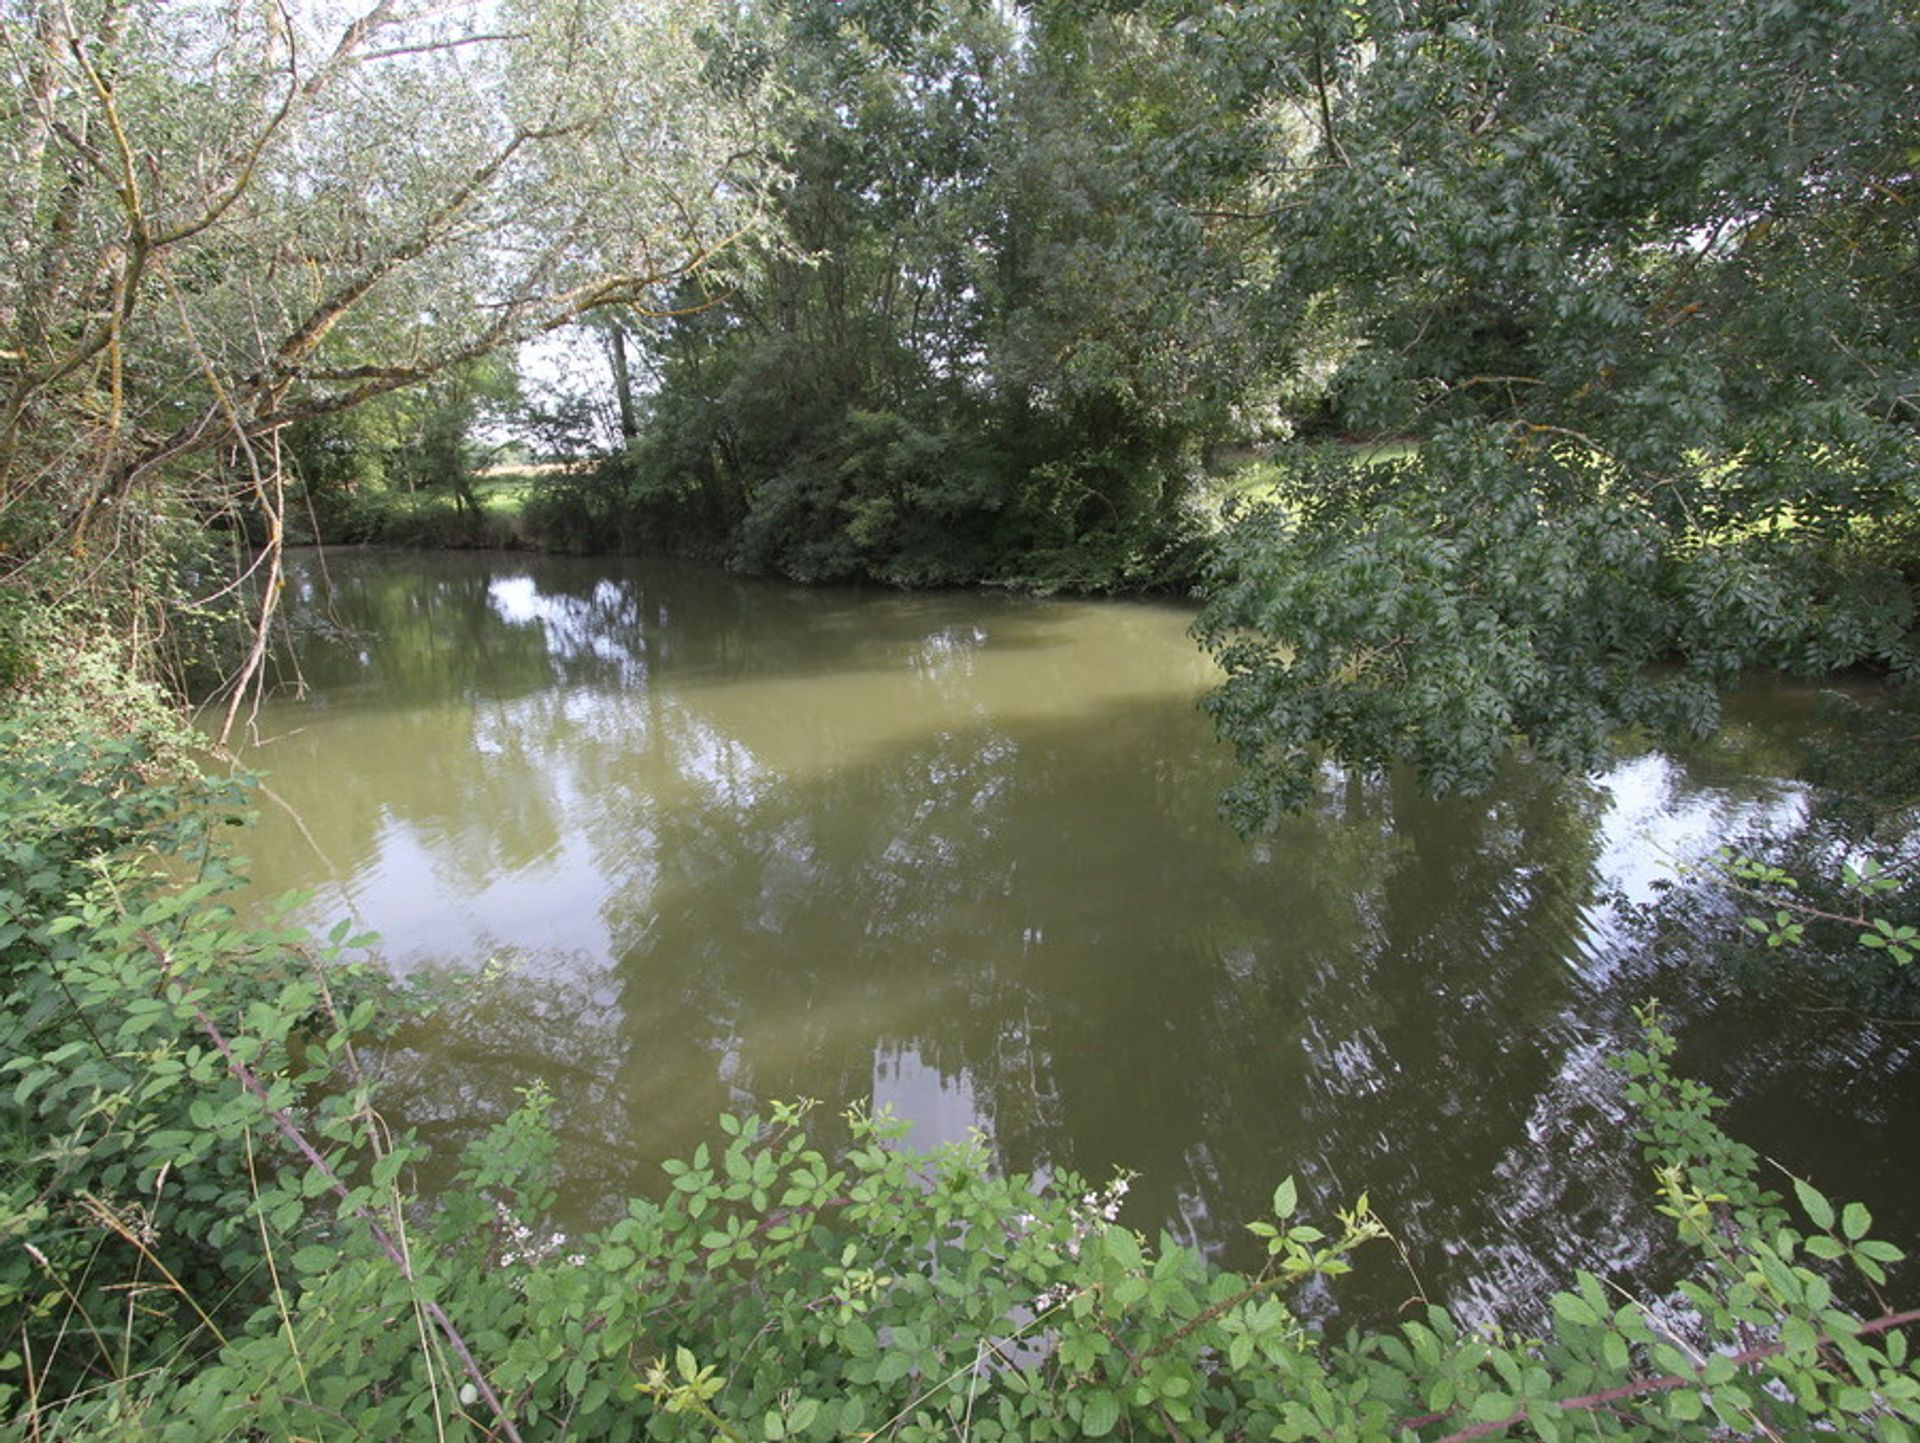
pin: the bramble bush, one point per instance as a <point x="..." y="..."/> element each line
<point x="207" y="1232"/>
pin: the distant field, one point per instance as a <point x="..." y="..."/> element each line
<point x="1257" y="473"/>
<point x="533" y="468"/>
<point x="503" y="491"/>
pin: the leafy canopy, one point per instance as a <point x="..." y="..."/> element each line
<point x="1641" y="274"/>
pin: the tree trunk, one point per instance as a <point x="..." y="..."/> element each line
<point x="623" y="382"/>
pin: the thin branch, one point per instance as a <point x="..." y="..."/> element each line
<point x="349" y="42"/>
<point x="128" y="181"/>
<point x="221" y="205"/>
<point x="427" y="46"/>
<point x="1664" y="1384"/>
<point x="272" y="507"/>
<point x="327" y="314"/>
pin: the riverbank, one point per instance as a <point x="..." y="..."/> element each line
<point x="593" y="508"/>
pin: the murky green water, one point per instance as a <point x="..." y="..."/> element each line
<point x="722" y="841"/>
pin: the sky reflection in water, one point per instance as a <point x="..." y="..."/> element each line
<point x="729" y="841"/>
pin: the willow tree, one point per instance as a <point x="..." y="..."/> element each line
<point x="1639" y="276"/>
<point x="222" y="220"/>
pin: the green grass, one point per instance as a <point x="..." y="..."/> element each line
<point x="1260" y="474"/>
<point x="433" y="517"/>
<point x="503" y="496"/>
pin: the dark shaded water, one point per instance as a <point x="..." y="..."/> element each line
<point x="720" y="841"/>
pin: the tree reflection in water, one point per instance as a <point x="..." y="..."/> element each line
<point x="732" y="841"/>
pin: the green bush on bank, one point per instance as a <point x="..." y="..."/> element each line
<point x="207" y="1232"/>
<point x="423" y="520"/>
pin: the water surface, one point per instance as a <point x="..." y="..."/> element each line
<point x="714" y="841"/>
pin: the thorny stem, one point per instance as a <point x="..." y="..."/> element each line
<point x="289" y="1130"/>
<point x="1134" y="1360"/>
<point x="1666" y="1383"/>
<point x="1218" y="1310"/>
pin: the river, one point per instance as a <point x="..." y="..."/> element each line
<point x="691" y="842"/>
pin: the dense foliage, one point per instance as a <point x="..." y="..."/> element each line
<point x="1639" y="274"/>
<point x="221" y="224"/>
<point x="922" y="294"/>
<point x="208" y="1231"/>
<point x="1652" y="341"/>
<point x="989" y="334"/>
<point x="940" y="293"/>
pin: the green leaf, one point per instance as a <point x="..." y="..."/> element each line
<point x="894" y="1365"/>
<point x="1854" y="1221"/>
<point x="315" y="1260"/>
<point x="1098" y="1413"/>
<point x="1492" y="1407"/>
<point x="1576" y="1310"/>
<point x="1816" y="1205"/>
<point x="1799" y="1338"/>
<point x="1614" y="1349"/>
<point x="1286" y="1198"/>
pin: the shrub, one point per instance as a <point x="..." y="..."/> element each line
<point x="137" y="1194"/>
